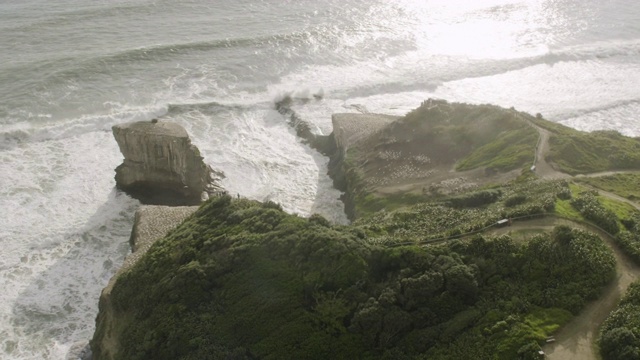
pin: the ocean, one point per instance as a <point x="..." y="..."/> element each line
<point x="71" y="69"/>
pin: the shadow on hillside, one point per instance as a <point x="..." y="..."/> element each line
<point x="58" y="308"/>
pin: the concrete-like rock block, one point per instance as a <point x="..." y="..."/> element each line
<point x="161" y="166"/>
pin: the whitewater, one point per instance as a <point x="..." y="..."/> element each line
<point x="71" y="69"/>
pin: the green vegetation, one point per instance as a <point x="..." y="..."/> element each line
<point x="629" y="238"/>
<point x="435" y="135"/>
<point x="621" y="220"/>
<point x="510" y="150"/>
<point x="479" y="198"/>
<point x="241" y="280"/>
<point x="625" y="185"/>
<point x="578" y="152"/>
<point x="474" y="135"/>
<point x="620" y="209"/>
<point x="462" y="214"/>
<point x="620" y="333"/>
<point x="564" y="209"/>
<point x="372" y="203"/>
<point x="592" y="209"/>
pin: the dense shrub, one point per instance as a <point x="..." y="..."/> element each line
<point x="589" y="206"/>
<point x="245" y="280"/>
<point x="475" y="199"/>
<point x="629" y="240"/>
<point x="515" y="200"/>
<point x="564" y="193"/>
<point x="620" y="333"/>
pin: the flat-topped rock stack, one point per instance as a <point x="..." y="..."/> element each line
<point x="161" y="166"/>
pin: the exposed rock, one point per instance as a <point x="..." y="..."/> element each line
<point x="161" y="166"/>
<point x="151" y="224"/>
<point x="322" y="143"/>
<point x="79" y="351"/>
<point x="349" y="128"/>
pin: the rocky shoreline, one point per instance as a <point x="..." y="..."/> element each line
<point x="151" y="224"/>
<point x="163" y="169"/>
<point x="162" y="166"/>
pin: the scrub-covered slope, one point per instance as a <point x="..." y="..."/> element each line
<point x="244" y="280"/>
<point x="241" y="279"/>
<point x="439" y="147"/>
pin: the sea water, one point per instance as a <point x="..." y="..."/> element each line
<point x="71" y="69"/>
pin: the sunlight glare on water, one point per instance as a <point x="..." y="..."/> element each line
<point x="498" y="29"/>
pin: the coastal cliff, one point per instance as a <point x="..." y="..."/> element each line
<point x="161" y="166"/>
<point x="151" y="224"/>
<point x="424" y="271"/>
<point x="348" y="130"/>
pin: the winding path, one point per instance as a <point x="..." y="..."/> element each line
<point x="577" y="339"/>
<point x="543" y="168"/>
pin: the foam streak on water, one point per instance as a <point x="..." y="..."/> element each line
<point x="63" y="232"/>
<point x="71" y="69"/>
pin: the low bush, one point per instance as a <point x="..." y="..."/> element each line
<point x="244" y="280"/>
<point x="589" y="206"/>
<point x="620" y="333"/>
<point x="475" y="199"/>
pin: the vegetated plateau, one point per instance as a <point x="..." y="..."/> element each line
<point x="423" y="272"/>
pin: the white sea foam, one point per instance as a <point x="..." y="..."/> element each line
<point x="64" y="232"/>
<point x="263" y="159"/>
<point x="622" y="118"/>
<point x="560" y="91"/>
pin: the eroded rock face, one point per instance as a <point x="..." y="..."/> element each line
<point x="151" y="224"/>
<point x="161" y="166"/>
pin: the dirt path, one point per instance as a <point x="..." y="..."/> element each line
<point x="613" y="196"/>
<point x="576" y="340"/>
<point x="545" y="171"/>
<point x="543" y="168"/>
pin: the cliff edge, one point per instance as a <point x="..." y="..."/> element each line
<point x="151" y="224"/>
<point x="244" y="280"/>
<point x="161" y="166"/>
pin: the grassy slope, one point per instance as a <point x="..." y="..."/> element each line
<point x="470" y="135"/>
<point x="578" y="152"/>
<point x="449" y="134"/>
<point x="625" y="185"/>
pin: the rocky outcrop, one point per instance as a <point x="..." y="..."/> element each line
<point x="348" y="130"/>
<point x="322" y="143"/>
<point x="151" y="224"/>
<point x="161" y="166"/>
